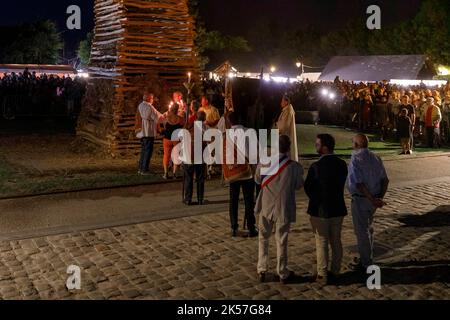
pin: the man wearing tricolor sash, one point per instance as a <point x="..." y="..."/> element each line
<point x="276" y="207"/>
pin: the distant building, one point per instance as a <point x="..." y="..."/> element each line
<point x="379" y="68"/>
<point x="57" y="70"/>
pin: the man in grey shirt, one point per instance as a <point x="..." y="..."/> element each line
<point x="368" y="184"/>
<point x="150" y="118"/>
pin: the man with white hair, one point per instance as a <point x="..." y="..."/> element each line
<point x="368" y="184"/>
<point x="432" y="119"/>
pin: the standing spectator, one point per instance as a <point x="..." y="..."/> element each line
<point x="212" y="114"/>
<point x="276" y="207"/>
<point x="172" y="123"/>
<point x="368" y="184"/>
<point x="199" y="169"/>
<point x="150" y="118"/>
<point x="367" y="106"/>
<point x="382" y="112"/>
<point x="394" y="103"/>
<point x="287" y="125"/>
<point x="177" y="98"/>
<point x="405" y="131"/>
<point x="240" y="176"/>
<point x="446" y="117"/>
<point x="325" y="189"/>
<point x="411" y="114"/>
<point x="432" y="119"/>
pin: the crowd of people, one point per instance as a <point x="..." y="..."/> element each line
<point x="272" y="196"/>
<point x="386" y="109"/>
<point x="29" y="94"/>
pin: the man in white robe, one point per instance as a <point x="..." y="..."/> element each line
<point x="287" y="125"/>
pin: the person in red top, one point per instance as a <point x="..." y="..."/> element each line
<point x="432" y="119"/>
<point x="367" y="112"/>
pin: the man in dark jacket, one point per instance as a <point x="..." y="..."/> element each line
<point x="325" y="188"/>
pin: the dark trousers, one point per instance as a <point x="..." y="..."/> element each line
<point x="433" y="137"/>
<point x="200" y="171"/>
<point x="146" y="154"/>
<point x="248" y="189"/>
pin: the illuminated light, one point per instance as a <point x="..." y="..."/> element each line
<point x="332" y="96"/>
<point x="293" y="80"/>
<point x="325" y="92"/>
<point x="266" y="78"/>
<point x="406" y="83"/>
<point x="273" y="69"/>
<point x="280" y="79"/>
<point x="248" y="74"/>
<point x="434" y="83"/>
<point x="443" y="71"/>
<point x="83" y="74"/>
<point x="231" y="75"/>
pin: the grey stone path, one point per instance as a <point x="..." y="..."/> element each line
<point x="195" y="258"/>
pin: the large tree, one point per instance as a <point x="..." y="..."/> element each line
<point x="210" y="41"/>
<point x="37" y="42"/>
<point x="427" y="33"/>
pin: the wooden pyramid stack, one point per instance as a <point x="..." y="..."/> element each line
<point x="138" y="45"/>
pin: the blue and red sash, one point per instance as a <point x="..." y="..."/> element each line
<point x="282" y="165"/>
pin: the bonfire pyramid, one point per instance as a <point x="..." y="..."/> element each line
<point x="138" y="45"/>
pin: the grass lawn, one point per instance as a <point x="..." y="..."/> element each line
<point x="14" y="183"/>
<point x="16" y="180"/>
<point x="307" y="137"/>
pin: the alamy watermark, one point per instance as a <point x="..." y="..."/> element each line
<point x="235" y="147"/>
<point x="374" y="281"/>
<point x="374" y="20"/>
<point x="74" y="280"/>
<point x="73" y="22"/>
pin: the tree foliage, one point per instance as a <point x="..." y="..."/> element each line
<point x="84" y="49"/>
<point x="38" y="43"/>
<point x="210" y="41"/>
<point x="427" y="33"/>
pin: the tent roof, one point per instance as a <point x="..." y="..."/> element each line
<point x="374" y="68"/>
<point x="39" y="68"/>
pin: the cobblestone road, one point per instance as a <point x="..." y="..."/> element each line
<point x="195" y="258"/>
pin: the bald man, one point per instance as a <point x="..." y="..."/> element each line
<point x="368" y="184"/>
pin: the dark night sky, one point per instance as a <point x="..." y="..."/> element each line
<point x="229" y="16"/>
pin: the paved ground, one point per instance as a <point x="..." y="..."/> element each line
<point x="192" y="256"/>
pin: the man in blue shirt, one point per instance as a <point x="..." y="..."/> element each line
<point x="368" y="184"/>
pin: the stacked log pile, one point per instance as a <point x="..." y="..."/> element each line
<point x="138" y="45"/>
